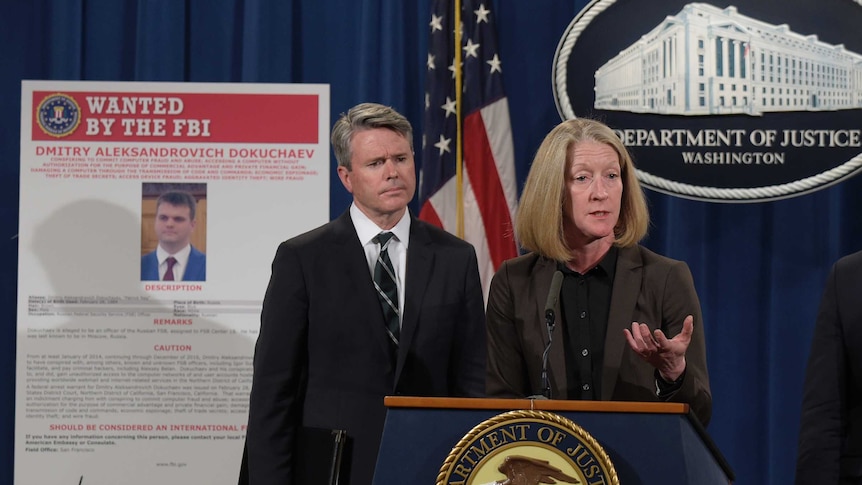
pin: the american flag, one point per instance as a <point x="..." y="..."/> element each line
<point x="483" y="216"/>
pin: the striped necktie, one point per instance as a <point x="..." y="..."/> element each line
<point x="387" y="289"/>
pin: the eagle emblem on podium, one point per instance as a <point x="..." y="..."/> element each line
<point x="528" y="448"/>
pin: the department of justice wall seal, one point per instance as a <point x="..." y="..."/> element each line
<point x="527" y="448"/>
<point x="752" y="101"/>
<point x="58" y="115"/>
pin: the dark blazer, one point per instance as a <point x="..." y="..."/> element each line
<point x="195" y="271"/>
<point x="648" y="288"/>
<point x="323" y="357"/>
<point x="830" y="434"/>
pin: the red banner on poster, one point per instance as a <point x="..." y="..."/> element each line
<point x="175" y="117"/>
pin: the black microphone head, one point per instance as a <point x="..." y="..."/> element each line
<point x="554" y="292"/>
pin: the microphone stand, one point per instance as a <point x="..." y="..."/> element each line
<point x="550" y="321"/>
<point x="550" y="318"/>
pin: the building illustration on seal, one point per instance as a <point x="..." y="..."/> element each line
<point x="711" y="61"/>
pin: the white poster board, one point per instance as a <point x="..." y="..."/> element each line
<point x="123" y="380"/>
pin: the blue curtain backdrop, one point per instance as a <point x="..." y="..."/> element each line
<point x="759" y="268"/>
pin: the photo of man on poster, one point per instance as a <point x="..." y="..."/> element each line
<point x="175" y="258"/>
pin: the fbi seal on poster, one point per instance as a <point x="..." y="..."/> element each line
<point x="530" y="448"/>
<point x="58" y="115"/>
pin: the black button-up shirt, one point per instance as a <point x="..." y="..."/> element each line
<point x="585" y="301"/>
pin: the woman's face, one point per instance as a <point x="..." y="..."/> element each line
<point x="594" y="190"/>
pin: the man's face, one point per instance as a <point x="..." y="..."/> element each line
<point x="174" y="226"/>
<point x="382" y="176"/>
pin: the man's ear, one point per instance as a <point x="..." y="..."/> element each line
<point x="344" y="175"/>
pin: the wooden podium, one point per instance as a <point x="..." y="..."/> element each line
<point x="646" y="442"/>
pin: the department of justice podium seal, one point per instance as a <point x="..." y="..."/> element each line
<point x="527" y="448"/>
<point x="58" y="115"/>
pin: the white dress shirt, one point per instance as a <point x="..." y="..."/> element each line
<point x="367" y="230"/>
<point x="182" y="257"/>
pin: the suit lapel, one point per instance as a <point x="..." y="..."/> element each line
<point x="195" y="270"/>
<point x="151" y="267"/>
<point x="420" y="261"/>
<point x="627" y="284"/>
<point x="354" y="267"/>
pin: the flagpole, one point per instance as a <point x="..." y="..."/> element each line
<point x="459" y="153"/>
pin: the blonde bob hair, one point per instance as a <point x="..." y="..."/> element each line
<point x="539" y="221"/>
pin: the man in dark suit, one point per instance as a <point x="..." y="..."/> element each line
<point x="336" y="336"/>
<point x="830" y="435"/>
<point x="175" y="259"/>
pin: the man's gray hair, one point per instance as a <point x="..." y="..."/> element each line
<point x="366" y="116"/>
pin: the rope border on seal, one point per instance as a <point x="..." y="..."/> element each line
<point x="525" y="414"/>
<point x="715" y="194"/>
<point x="771" y="192"/>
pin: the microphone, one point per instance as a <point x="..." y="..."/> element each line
<point x="550" y="321"/>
